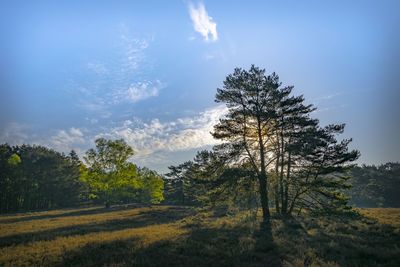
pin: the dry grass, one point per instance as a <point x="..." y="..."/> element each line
<point x="176" y="236"/>
<point x="390" y="216"/>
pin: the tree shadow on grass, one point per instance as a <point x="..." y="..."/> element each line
<point x="41" y="215"/>
<point x="202" y="246"/>
<point x="144" y="218"/>
<point x="345" y="240"/>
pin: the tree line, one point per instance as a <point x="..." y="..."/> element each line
<point x="375" y="186"/>
<point x="35" y="177"/>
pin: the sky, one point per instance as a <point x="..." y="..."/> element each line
<point x="147" y="71"/>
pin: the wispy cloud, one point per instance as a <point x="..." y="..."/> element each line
<point x="156" y="143"/>
<point x="132" y="50"/>
<point x="125" y="75"/>
<point x="138" y="91"/>
<point x="61" y="140"/>
<point x="203" y="23"/>
<point x="65" y="140"/>
<point x="326" y="97"/>
<point x="14" y="133"/>
<point x="178" y="135"/>
<point x="325" y="109"/>
<point x="328" y="102"/>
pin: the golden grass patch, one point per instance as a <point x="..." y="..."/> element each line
<point x="175" y="236"/>
<point x="389" y="216"/>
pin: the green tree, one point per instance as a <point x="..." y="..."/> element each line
<point x="108" y="171"/>
<point x="153" y="186"/>
<point x="14" y="160"/>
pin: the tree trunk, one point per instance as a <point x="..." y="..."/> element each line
<point x="262" y="178"/>
<point x="276" y="186"/>
<point x="285" y="203"/>
<point x="108" y="201"/>
<point x="276" y="194"/>
<point x="281" y="172"/>
<point x="183" y="193"/>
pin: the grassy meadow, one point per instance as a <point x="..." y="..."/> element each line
<point x="181" y="236"/>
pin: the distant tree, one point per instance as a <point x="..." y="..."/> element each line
<point x="35" y="177"/>
<point x="112" y="178"/>
<point x="375" y="186"/>
<point x="108" y="170"/>
<point x="8" y="184"/>
<point x="152" y="190"/>
<point x="180" y="184"/>
<point x="174" y="185"/>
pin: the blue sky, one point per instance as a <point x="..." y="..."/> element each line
<point x="147" y="71"/>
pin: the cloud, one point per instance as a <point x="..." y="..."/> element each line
<point x="203" y="23"/>
<point x="132" y="50"/>
<point x="14" y="133"/>
<point x="319" y="110"/>
<point x="62" y="140"/>
<point x="138" y="91"/>
<point x="124" y="75"/>
<point x="326" y="97"/>
<point x="66" y="140"/>
<point x="156" y="143"/>
<point x="179" y="135"/>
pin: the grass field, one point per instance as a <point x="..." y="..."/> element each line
<point x="179" y="236"/>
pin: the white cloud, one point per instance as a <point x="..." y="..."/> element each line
<point x="124" y="75"/>
<point x="156" y="143"/>
<point x="138" y="91"/>
<point x="203" y="23"/>
<point x="67" y="140"/>
<point x="178" y="135"/>
<point x="14" y="133"/>
<point x="326" y="97"/>
<point x="132" y="50"/>
<point x="62" y="140"/>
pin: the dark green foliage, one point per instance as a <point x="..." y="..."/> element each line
<point x="250" y="97"/>
<point x="319" y="171"/>
<point x="298" y="164"/>
<point x="35" y="177"/>
<point x="376" y="186"/>
<point x="182" y="185"/>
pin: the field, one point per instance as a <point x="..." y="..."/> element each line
<point x="181" y="236"/>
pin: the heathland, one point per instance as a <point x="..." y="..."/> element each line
<point x="160" y="235"/>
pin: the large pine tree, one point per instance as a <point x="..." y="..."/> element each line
<point x="296" y="161"/>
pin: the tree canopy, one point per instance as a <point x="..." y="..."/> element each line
<point x="35" y="177"/>
<point x="112" y="178"/>
<point x="269" y="137"/>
